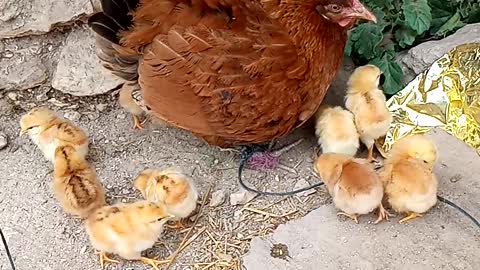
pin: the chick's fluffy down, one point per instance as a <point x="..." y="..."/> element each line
<point x="171" y="187"/>
<point x="48" y="131"/>
<point x="336" y="131"/>
<point x="368" y="104"/>
<point x="410" y="184"/>
<point x="75" y="183"/>
<point x="353" y="184"/>
<point x="126" y="229"/>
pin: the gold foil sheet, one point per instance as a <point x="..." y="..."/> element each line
<point x="446" y="96"/>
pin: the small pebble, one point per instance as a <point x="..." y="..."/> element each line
<point x="72" y="116"/>
<point x="12" y="96"/>
<point x="3" y="140"/>
<point x="121" y="116"/>
<point x="241" y="197"/>
<point x="84" y="249"/>
<point x="101" y="107"/>
<point x="218" y="197"/>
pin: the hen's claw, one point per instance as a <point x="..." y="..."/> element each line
<point x="353" y="216"/>
<point x="153" y="262"/>
<point x="410" y="216"/>
<point x="103" y="258"/>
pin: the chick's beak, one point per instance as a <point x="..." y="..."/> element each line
<point x="360" y="12"/>
<point x="22" y="132"/>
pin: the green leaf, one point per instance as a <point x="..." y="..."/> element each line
<point x="392" y="72"/>
<point x="365" y="38"/>
<point x="452" y="24"/>
<point x="405" y="36"/>
<point x="417" y="14"/>
<point x="348" y="47"/>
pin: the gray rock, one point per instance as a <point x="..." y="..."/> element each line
<point x="72" y="116"/>
<point x="3" y="140"/>
<point x="21" y="71"/>
<point x="218" y="197"/>
<point x="302" y="183"/>
<point x="241" y="197"/>
<point x="79" y="71"/>
<point x="22" y="18"/>
<point x="418" y="58"/>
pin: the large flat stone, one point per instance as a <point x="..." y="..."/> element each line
<point x="443" y="239"/>
<point x="79" y="71"/>
<point x="23" y="17"/>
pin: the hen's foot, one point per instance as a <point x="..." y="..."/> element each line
<point x="153" y="262"/>
<point x="409" y="216"/>
<point x="103" y="258"/>
<point x="382" y="214"/>
<point x="136" y="122"/>
<point x="354" y="217"/>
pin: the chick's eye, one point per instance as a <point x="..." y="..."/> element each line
<point x="334" y="8"/>
<point x="425" y="161"/>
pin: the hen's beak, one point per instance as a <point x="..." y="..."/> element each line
<point x="360" y="12"/>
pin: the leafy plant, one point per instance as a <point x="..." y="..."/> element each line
<point x="402" y="24"/>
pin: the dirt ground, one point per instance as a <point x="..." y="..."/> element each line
<point x="41" y="236"/>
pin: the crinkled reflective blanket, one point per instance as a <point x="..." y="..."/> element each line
<point x="446" y="96"/>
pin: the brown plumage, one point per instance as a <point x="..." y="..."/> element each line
<point x="75" y="183"/>
<point x="230" y="71"/>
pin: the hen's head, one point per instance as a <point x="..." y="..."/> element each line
<point x="344" y="12"/>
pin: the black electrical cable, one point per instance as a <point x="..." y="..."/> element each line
<point x="465" y="213"/>
<point x="4" y="241"/>
<point x="246" y="153"/>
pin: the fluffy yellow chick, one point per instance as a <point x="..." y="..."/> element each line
<point x="48" y="132"/>
<point x="75" y="183"/>
<point x="354" y="185"/>
<point x="170" y="187"/>
<point x="410" y="184"/>
<point x="336" y="131"/>
<point x="368" y="105"/>
<point x="131" y="100"/>
<point x="127" y="230"/>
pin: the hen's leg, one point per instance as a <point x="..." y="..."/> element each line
<point x="153" y="262"/>
<point x="103" y="258"/>
<point x="409" y="216"/>
<point x="354" y="217"/>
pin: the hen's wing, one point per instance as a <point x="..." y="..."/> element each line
<point x="218" y="68"/>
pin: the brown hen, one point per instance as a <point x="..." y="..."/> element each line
<point x="230" y="71"/>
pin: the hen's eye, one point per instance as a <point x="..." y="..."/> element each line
<point x="334" y="8"/>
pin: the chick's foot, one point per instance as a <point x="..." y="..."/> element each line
<point x="409" y="216"/>
<point x="351" y="216"/>
<point x="382" y="214"/>
<point x="178" y="225"/>
<point x="153" y="262"/>
<point x="136" y="122"/>
<point x="103" y="258"/>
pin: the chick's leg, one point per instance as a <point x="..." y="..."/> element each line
<point x="409" y="216"/>
<point x="103" y="258"/>
<point x="153" y="262"/>
<point x="178" y="225"/>
<point x="354" y="217"/>
<point x="382" y="214"/>
<point x="136" y="122"/>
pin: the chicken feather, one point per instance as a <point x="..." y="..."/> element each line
<point x="235" y="71"/>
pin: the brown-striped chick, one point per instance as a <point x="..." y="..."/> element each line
<point x="48" y="131"/>
<point x="75" y="183"/>
<point x="336" y="131"/>
<point x="410" y="184"/>
<point x="170" y="187"/>
<point x="354" y="185"/>
<point x="127" y="229"/>
<point x="130" y="98"/>
<point x="368" y="104"/>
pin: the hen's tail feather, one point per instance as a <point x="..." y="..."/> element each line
<point x="116" y="17"/>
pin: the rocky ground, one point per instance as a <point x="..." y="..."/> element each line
<point x="47" y="58"/>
